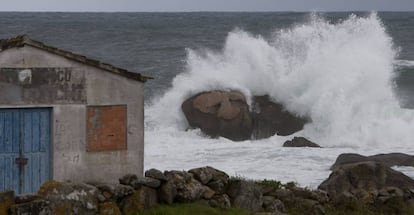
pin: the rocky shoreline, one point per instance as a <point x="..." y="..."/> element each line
<point x="353" y="184"/>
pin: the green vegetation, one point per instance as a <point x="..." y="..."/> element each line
<point x="343" y="208"/>
<point x="354" y="207"/>
<point x="290" y="185"/>
<point x="277" y="184"/>
<point x="270" y="183"/>
<point x="191" y="209"/>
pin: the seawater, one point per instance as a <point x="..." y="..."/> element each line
<point x="341" y="75"/>
<point x="351" y="73"/>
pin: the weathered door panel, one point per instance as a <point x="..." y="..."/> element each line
<point x="35" y="140"/>
<point x="24" y="149"/>
<point x="9" y="149"/>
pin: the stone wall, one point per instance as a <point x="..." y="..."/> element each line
<point x="132" y="194"/>
<point x="215" y="188"/>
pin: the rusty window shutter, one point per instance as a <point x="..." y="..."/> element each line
<point x="106" y="128"/>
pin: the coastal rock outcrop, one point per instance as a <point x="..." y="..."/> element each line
<point x="300" y="142"/>
<point x="227" y="114"/>
<point x="391" y="159"/>
<point x="365" y="180"/>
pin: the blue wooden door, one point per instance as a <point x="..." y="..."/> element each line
<point x="24" y="149"/>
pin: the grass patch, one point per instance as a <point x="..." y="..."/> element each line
<point x="191" y="209"/>
<point x="354" y="207"/>
<point x="270" y="183"/>
<point x="276" y="184"/>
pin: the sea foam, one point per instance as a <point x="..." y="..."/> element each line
<point x="338" y="74"/>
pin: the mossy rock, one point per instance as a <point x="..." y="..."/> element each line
<point x="50" y="187"/>
<point x="109" y="208"/>
<point x="70" y="198"/>
<point x="37" y="206"/>
<point x="142" y="199"/>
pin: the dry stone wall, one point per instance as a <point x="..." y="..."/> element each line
<point x="377" y="187"/>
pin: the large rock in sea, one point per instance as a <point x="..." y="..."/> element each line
<point x="227" y="114"/>
<point x="270" y="118"/>
<point x="219" y="113"/>
<point x="300" y="142"/>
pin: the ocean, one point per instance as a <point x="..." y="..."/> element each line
<point x="352" y="73"/>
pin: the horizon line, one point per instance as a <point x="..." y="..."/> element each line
<point x="197" y="11"/>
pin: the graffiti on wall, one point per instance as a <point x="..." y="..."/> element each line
<point x="42" y="86"/>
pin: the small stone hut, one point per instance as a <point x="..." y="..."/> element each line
<point x="66" y="117"/>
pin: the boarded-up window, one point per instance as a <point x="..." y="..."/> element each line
<point x="106" y="128"/>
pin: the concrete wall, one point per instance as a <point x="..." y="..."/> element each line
<point x="71" y="161"/>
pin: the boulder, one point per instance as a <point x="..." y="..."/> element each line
<point x="142" y="199"/>
<point x="167" y="192"/>
<point x="283" y="194"/>
<point x="220" y="201"/>
<point x="388" y="193"/>
<point x="146" y="181"/>
<point x="227" y="114"/>
<point x="109" y="208"/>
<point x="315" y="195"/>
<point x="70" y="198"/>
<point x="203" y="174"/>
<point x="391" y="159"/>
<point x="348" y="158"/>
<point x="219" y="113"/>
<point x="128" y="179"/>
<point x="270" y="118"/>
<point x="34" y="207"/>
<point x="370" y="176"/>
<point x="300" y="142"/>
<point x="136" y="182"/>
<point x="273" y="205"/>
<point x="115" y="192"/>
<point x="155" y="173"/>
<point x="302" y="198"/>
<point x="208" y="193"/>
<point x="188" y="189"/>
<point x="24" y="198"/>
<point x="215" y="179"/>
<point x="246" y="195"/>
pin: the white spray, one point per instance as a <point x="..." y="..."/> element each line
<point x="338" y="74"/>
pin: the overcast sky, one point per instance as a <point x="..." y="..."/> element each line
<point x="206" y="5"/>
